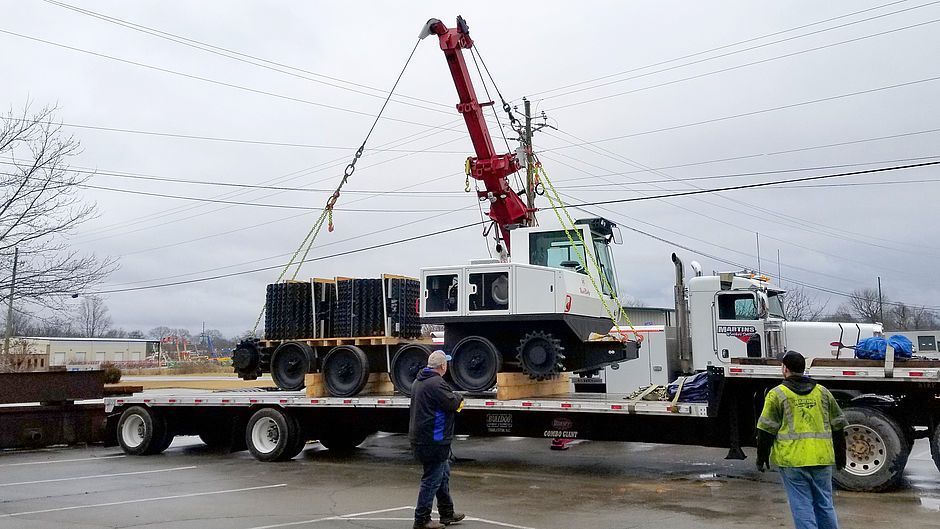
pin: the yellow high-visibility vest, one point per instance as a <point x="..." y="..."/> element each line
<point x="803" y="425"/>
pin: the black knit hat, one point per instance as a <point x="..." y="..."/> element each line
<point x="794" y="362"/>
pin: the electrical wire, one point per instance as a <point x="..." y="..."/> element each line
<point x="719" y="48"/>
<point x="740" y="66"/>
<point x="751" y="113"/>
<point x="275" y="267"/>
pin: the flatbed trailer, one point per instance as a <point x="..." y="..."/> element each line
<point x="888" y="407"/>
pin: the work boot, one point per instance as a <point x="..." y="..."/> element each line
<point x="452" y="518"/>
<point x="428" y="524"/>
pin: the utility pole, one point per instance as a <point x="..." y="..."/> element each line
<point x="881" y="306"/>
<point x="530" y="160"/>
<point x="9" y="333"/>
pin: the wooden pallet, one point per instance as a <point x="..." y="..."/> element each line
<point x="378" y="384"/>
<point x="358" y="341"/>
<point x="513" y="386"/>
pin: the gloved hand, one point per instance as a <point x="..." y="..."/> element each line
<point x="762" y="464"/>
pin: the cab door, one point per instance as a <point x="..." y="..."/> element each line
<point x="737" y="323"/>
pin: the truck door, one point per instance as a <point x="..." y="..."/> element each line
<point x="736" y="322"/>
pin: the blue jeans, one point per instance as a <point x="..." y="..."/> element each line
<point x="809" y="493"/>
<point x="435" y="482"/>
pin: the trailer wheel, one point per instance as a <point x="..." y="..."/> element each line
<point x="272" y="435"/>
<point x="876" y="452"/>
<point x="290" y="363"/>
<point x="143" y="431"/>
<point x="475" y="362"/>
<point x="345" y="370"/>
<point x="343" y="441"/>
<point x="935" y="446"/>
<point x="406" y="364"/>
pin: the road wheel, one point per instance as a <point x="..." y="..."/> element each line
<point x="345" y="371"/>
<point x="143" y="431"/>
<point x="541" y="355"/>
<point x="475" y="364"/>
<point x="876" y="451"/>
<point x="290" y="363"/>
<point x="406" y="364"/>
<point x="272" y="435"/>
<point x="935" y="445"/>
<point x="343" y="441"/>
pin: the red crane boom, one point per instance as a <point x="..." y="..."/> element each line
<point x="507" y="210"/>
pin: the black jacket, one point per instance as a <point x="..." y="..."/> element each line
<point x="801" y="385"/>
<point x="433" y="406"/>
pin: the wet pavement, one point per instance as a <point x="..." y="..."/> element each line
<point x="505" y="482"/>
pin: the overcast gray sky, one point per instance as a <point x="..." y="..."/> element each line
<point x="838" y="237"/>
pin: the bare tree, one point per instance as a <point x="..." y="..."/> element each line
<point x="39" y="207"/>
<point x="904" y="317"/>
<point x="92" y="317"/>
<point x="632" y="301"/>
<point x="865" y="306"/>
<point x="800" y="306"/>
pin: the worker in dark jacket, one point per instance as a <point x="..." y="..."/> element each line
<point x="802" y="431"/>
<point x="431" y="430"/>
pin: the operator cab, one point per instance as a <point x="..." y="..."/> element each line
<point x="554" y="248"/>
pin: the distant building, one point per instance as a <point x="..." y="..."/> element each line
<point x="66" y="351"/>
<point x="651" y="315"/>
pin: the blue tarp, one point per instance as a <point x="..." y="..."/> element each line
<point x="694" y="389"/>
<point x="874" y="348"/>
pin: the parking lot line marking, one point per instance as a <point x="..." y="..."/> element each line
<point x="353" y="516"/>
<point x="60" y="461"/>
<point x="494" y="522"/>
<point x="97" y="476"/>
<point x="141" y="500"/>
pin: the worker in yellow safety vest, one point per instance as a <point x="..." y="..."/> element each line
<point x="801" y="431"/>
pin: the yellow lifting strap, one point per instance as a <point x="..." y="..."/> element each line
<point x="557" y="205"/>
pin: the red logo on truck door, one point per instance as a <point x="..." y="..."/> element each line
<point x="567" y="303"/>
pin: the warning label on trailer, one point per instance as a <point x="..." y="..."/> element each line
<point x="499" y="422"/>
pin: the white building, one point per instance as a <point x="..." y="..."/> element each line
<point x="65" y="351"/>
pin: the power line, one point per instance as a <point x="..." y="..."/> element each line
<point x="746" y="114"/>
<point x="733" y="44"/>
<point x="275" y="267"/>
<point x="211" y="81"/>
<point x="745" y="65"/>
<point x="757" y="185"/>
<point x="227" y="140"/>
<point x="239" y="56"/>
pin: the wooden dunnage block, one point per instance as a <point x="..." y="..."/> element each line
<point x="378" y="384"/>
<point x="512" y="386"/>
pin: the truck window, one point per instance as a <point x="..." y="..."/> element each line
<point x="775" y="305"/>
<point x="926" y="343"/>
<point x="602" y="251"/>
<point x="737" y="307"/>
<point x="553" y="248"/>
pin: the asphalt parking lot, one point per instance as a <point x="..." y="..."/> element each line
<point x="506" y="482"/>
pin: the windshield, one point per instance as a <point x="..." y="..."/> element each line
<point x="555" y="250"/>
<point x="603" y="260"/>
<point x="775" y="305"/>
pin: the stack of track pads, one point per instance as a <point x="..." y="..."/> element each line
<point x="288" y="311"/>
<point x="343" y="308"/>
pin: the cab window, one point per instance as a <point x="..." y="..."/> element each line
<point x="737" y="307"/>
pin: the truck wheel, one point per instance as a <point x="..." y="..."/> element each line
<point x="876" y="452"/>
<point x="475" y="364"/>
<point x="343" y="441"/>
<point x="935" y="446"/>
<point x="143" y="431"/>
<point x="290" y="363"/>
<point x="345" y="370"/>
<point x="406" y="364"/>
<point x="272" y="435"/>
